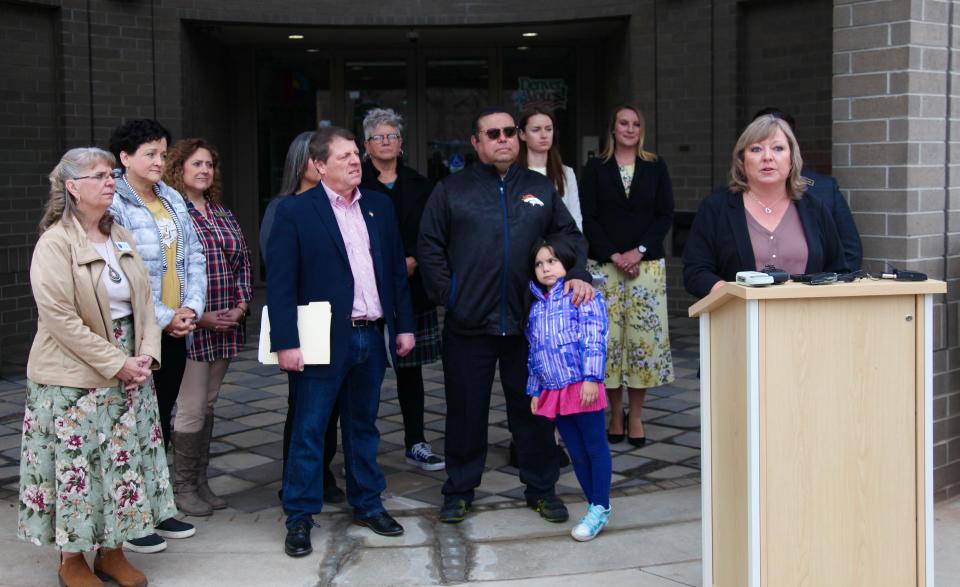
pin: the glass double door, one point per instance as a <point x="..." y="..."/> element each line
<point x="437" y="95"/>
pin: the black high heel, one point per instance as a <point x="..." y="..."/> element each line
<point x="615" y="438"/>
<point x="639" y="441"/>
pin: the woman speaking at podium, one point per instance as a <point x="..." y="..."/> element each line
<point x="761" y="217"/>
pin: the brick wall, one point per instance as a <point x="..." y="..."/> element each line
<point x="31" y="136"/>
<point x="892" y="132"/>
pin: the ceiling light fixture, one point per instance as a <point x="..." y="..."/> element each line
<point x="294" y="37"/>
<point x="522" y="48"/>
<point x="313" y="50"/>
<point x="529" y="35"/>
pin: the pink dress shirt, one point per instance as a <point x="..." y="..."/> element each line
<point x="356" y="239"/>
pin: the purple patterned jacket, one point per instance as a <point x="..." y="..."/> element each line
<point x="567" y="344"/>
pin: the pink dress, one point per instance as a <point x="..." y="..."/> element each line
<point x="566" y="401"/>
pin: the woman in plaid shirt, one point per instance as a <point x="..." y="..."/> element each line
<point x="193" y="170"/>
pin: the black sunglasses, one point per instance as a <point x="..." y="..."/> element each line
<point x="494" y="133"/>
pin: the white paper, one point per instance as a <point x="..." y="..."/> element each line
<point x="313" y="324"/>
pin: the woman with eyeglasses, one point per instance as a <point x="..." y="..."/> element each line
<point x="193" y="170"/>
<point x="539" y="152"/>
<point x="299" y="175"/>
<point x="157" y="217"/>
<point x="627" y="202"/>
<point x="384" y="171"/>
<point x="93" y="472"/>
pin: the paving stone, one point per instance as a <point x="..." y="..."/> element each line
<point x="236" y="410"/>
<point x="691" y="439"/>
<point x="224" y="485"/>
<point x="417" y="531"/>
<point x="497" y="482"/>
<point x="387" y="409"/>
<point x="623" y="577"/>
<point x="262" y="474"/>
<point x="405" y="482"/>
<point x="10" y="441"/>
<point x="672" y="472"/>
<point x="659" y="433"/>
<point x="685" y="573"/>
<point x="430" y="495"/>
<point x="10" y="472"/>
<point x="625" y="463"/>
<point x="273" y="403"/>
<point x="273" y="450"/>
<point x="680" y="421"/>
<point x="255" y="499"/>
<point x="248" y="395"/>
<point x="225" y="427"/>
<point x="671" y="404"/>
<point x="670" y="453"/>
<point x="10" y="409"/>
<point x="238" y="460"/>
<point x="559" y="556"/>
<point x="390" y="566"/>
<point x="252" y="438"/>
<point x="262" y="419"/>
<point x="280" y="389"/>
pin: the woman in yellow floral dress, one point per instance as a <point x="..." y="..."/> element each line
<point x="93" y="471"/>
<point x="627" y="202"/>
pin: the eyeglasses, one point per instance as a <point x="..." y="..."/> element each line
<point x="394" y="136"/>
<point x="494" y="133"/>
<point x="102" y="176"/>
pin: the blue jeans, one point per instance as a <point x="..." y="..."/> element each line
<point x="357" y="385"/>
<point x="586" y="438"/>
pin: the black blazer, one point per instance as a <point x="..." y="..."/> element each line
<point x="825" y="189"/>
<point x="614" y="223"/>
<point x="719" y="243"/>
<point x="409" y="195"/>
<point x="308" y="262"/>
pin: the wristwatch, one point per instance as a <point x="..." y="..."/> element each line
<point x="642" y="250"/>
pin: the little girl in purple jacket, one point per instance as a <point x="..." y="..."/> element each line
<point x="568" y="352"/>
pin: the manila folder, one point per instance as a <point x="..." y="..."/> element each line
<point x="313" y="324"/>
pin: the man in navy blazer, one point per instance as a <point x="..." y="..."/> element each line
<point x="338" y="244"/>
<point x="825" y="189"/>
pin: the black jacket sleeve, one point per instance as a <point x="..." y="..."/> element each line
<point x="700" y="266"/>
<point x="432" y="246"/>
<point x="662" y="210"/>
<point x="602" y="246"/>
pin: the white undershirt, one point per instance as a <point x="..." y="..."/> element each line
<point x="571" y="195"/>
<point x="119" y="293"/>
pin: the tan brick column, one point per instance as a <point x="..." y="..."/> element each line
<point x="896" y="124"/>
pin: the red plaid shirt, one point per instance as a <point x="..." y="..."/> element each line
<point x="228" y="280"/>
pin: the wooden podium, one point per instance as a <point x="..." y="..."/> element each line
<point x="816" y="410"/>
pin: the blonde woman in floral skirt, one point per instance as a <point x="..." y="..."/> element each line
<point x="92" y="471"/>
<point x="627" y="204"/>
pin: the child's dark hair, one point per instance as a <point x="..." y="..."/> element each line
<point x="561" y="249"/>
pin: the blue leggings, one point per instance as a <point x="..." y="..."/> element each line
<point x="584" y="435"/>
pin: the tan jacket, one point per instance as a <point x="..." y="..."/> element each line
<point x="74" y="345"/>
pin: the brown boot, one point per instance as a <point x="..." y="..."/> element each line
<point x="111" y="564"/>
<point x="74" y="572"/>
<point x="186" y="461"/>
<point x="203" y="488"/>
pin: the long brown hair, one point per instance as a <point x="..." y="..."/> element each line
<point x="178" y="155"/>
<point x="611" y="147"/>
<point x="554" y="161"/>
<point x="60" y="204"/>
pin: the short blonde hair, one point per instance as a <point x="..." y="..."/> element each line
<point x="757" y="131"/>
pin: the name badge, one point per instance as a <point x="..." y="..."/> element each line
<point x="123" y="247"/>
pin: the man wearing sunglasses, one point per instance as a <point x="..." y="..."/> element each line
<point x="475" y="240"/>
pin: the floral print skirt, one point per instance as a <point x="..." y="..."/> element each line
<point x="93" y="472"/>
<point x="638" y="340"/>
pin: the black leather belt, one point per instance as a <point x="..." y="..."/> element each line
<point x="358" y="323"/>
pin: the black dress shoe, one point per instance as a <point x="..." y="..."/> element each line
<point x="381" y="523"/>
<point x="638" y="442"/>
<point x="298" y="539"/>
<point x="333" y="494"/>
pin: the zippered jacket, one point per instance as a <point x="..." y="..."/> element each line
<point x="568" y="344"/>
<point x="130" y="212"/>
<point x="474" y="246"/>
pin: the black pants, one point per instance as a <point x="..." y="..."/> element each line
<point x="468" y="370"/>
<point x="173" y="360"/>
<point x="329" y="439"/>
<point x="410" y="395"/>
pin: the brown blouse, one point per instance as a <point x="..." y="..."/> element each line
<point x="785" y="247"/>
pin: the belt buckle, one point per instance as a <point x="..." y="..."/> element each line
<point x="359" y="323"/>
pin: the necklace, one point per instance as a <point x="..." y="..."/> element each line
<point x="113" y="274"/>
<point x="766" y="209"/>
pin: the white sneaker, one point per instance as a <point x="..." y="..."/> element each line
<point x="591" y="524"/>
